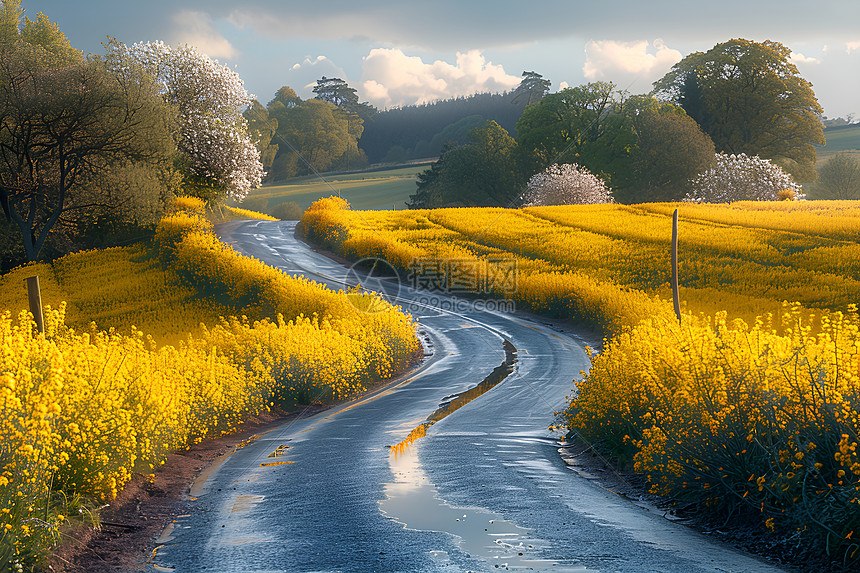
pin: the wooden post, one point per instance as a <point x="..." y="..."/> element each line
<point x="675" y="296"/>
<point x="35" y="297"/>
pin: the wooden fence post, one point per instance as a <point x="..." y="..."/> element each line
<point x="35" y="297"/>
<point x="675" y="296"/>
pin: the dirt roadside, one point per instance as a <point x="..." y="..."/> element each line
<point x="133" y="521"/>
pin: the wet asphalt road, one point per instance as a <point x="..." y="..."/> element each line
<point x="484" y="490"/>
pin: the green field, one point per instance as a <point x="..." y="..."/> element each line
<point x="367" y="190"/>
<point x="840" y="139"/>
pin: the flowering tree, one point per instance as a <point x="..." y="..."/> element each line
<point x="566" y="184"/>
<point x="79" y="143"/>
<point x="219" y="154"/>
<point x="742" y="178"/>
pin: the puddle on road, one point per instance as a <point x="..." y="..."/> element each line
<point x="454" y="402"/>
<point x="412" y="500"/>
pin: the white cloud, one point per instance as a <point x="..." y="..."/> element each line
<point x="563" y="86"/>
<point x="196" y="29"/>
<point x="851" y="46"/>
<point x="391" y="78"/>
<point x="302" y="76"/>
<point x="628" y="62"/>
<point x="318" y="61"/>
<point x="798" y="58"/>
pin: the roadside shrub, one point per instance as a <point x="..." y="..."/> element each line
<point x="321" y="221"/>
<point x="80" y="412"/>
<point x="248" y="214"/>
<point x="287" y="211"/>
<point x="188" y="204"/>
<point x="173" y="228"/>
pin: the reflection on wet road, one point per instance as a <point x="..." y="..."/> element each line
<point x="411" y="499"/>
<point x="483" y="490"/>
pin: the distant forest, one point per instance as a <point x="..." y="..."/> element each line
<point x="420" y="131"/>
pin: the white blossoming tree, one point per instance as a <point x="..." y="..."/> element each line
<point x="566" y="184"/>
<point x="219" y="156"/>
<point x="742" y="178"/>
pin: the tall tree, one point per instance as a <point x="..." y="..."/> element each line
<point x="565" y="127"/>
<point x="481" y="173"/>
<point x="312" y="136"/>
<point x="286" y="96"/>
<point x="750" y="99"/>
<point x="667" y="150"/>
<point x="262" y="130"/>
<point x="532" y="89"/>
<point x="65" y="122"/>
<point x="338" y="92"/>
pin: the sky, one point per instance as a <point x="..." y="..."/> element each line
<point x="402" y="53"/>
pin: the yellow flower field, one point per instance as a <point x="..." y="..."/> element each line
<point x="750" y="407"/>
<point x="150" y="349"/>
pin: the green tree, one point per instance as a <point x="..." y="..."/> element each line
<point x="338" y="92"/>
<point x="532" y="88"/>
<point x="64" y="124"/>
<point x="481" y="173"/>
<point x="41" y="33"/>
<point x="750" y="99"/>
<point x="564" y="127"/>
<point x="838" y="178"/>
<point x="262" y="130"/>
<point x="313" y="135"/>
<point x="286" y="96"/>
<point x="669" y="149"/>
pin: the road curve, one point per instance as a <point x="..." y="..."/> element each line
<point x="484" y="490"/>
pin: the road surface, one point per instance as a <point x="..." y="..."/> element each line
<point x="484" y="490"/>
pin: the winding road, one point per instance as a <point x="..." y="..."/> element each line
<point x="485" y="489"/>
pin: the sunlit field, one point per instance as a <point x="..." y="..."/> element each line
<point x="845" y="139"/>
<point x="749" y="408"/>
<point x="385" y="189"/>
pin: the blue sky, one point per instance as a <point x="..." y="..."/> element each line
<point x="398" y="53"/>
